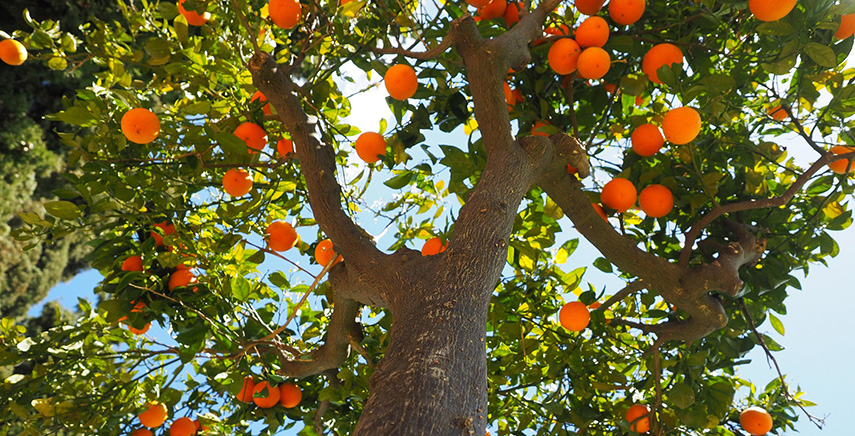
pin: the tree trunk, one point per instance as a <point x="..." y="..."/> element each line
<point x="433" y="378"/>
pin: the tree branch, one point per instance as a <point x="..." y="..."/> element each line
<point x="317" y="160"/>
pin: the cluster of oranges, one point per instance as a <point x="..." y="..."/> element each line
<point x="263" y="395"/>
<point x="155" y="415"/>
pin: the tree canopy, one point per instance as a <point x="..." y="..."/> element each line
<point x="220" y="179"/>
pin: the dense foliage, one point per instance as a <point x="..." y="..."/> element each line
<point x="672" y="333"/>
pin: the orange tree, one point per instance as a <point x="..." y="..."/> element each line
<point x="396" y="343"/>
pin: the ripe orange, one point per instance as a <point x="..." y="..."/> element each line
<point x="478" y="3"/>
<point x="755" y="420"/>
<point x="658" y="56"/>
<point x="237" y="182"/>
<point x="142" y="432"/>
<point x="281" y="236"/>
<point x="284" y="147"/>
<point x="181" y="278"/>
<point x="401" y="81"/>
<point x="140" y="331"/>
<point x="777" y="112"/>
<point x="537" y="129"/>
<point x="257" y="95"/>
<point x="574" y="316"/>
<point x="138" y="307"/>
<point x="626" y="12"/>
<point x="589" y="7"/>
<point x="154" y="415"/>
<point x="433" y="246"/>
<point x="370" y="146"/>
<point x="647" y="140"/>
<point x="183" y="426"/>
<point x="594" y="63"/>
<point x="656" y="201"/>
<point x="199" y="426"/>
<point x="619" y="194"/>
<point x="324" y="252"/>
<point x="595" y="305"/>
<point x="610" y="88"/>
<point x="140" y="125"/>
<point x="564" y="55"/>
<point x="12" y="52"/>
<point x="600" y="211"/>
<point x="593" y="32"/>
<point x="681" y="125"/>
<point x="771" y="10"/>
<point x="193" y="18"/>
<point x="635" y="412"/>
<point x="846" y="27"/>
<point x="167" y="229"/>
<point x="246" y="391"/>
<point x="253" y="135"/>
<point x="284" y="13"/>
<point x="512" y="13"/>
<point x="132" y="263"/>
<point x="839" y="166"/>
<point x="510" y="97"/>
<point x="494" y="9"/>
<point x="289" y="395"/>
<point x="268" y="399"/>
<point x="557" y="30"/>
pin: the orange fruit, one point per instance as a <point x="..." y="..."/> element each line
<point x="647" y="140"/>
<point x="594" y="63"/>
<point x="433" y="246"/>
<point x="237" y="182"/>
<point x="574" y="316"/>
<point x="619" y="194"/>
<point x="635" y="412"/>
<point x="284" y="147"/>
<point x="626" y="12"/>
<point x="478" y="3"/>
<point x="656" y="201"/>
<point x="755" y="420"/>
<point x="512" y="13"/>
<point x="140" y="125"/>
<point x="771" y="10"/>
<point x="257" y="95"/>
<point x="183" y="426"/>
<point x="537" y="129"/>
<point x="247" y="390"/>
<point x="193" y="18"/>
<point x="589" y="7"/>
<point x="593" y="32"/>
<point x="281" y="236"/>
<point x="611" y="88"/>
<point x="658" y="56"/>
<point x="138" y="307"/>
<point x="253" y="135"/>
<point x="268" y="399"/>
<point x="839" y="166"/>
<point x="154" y="415"/>
<point x="844" y="30"/>
<point x="199" y="426"/>
<point x="370" y="146"/>
<point x="284" y="13"/>
<point x="595" y="305"/>
<point x="324" y="252"/>
<point x="681" y="125"/>
<point x="600" y="211"/>
<point x="289" y="395"/>
<point x="564" y="55"/>
<point x="142" y="432"/>
<point x="401" y="81"/>
<point x="12" y="52"/>
<point x="777" y="112"/>
<point x="181" y="278"/>
<point x="509" y="95"/>
<point x="494" y="9"/>
<point x="132" y="263"/>
<point x="140" y="331"/>
<point x="557" y="30"/>
<point x="167" y="229"/>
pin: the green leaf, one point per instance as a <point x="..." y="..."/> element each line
<point x="232" y="144"/>
<point x="62" y="209"/>
<point x="401" y="180"/>
<point x="681" y="395"/>
<point x="776" y="324"/>
<point x="823" y="55"/>
<point x="603" y="265"/>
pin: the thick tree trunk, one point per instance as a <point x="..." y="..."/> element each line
<point x="433" y="378"/>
